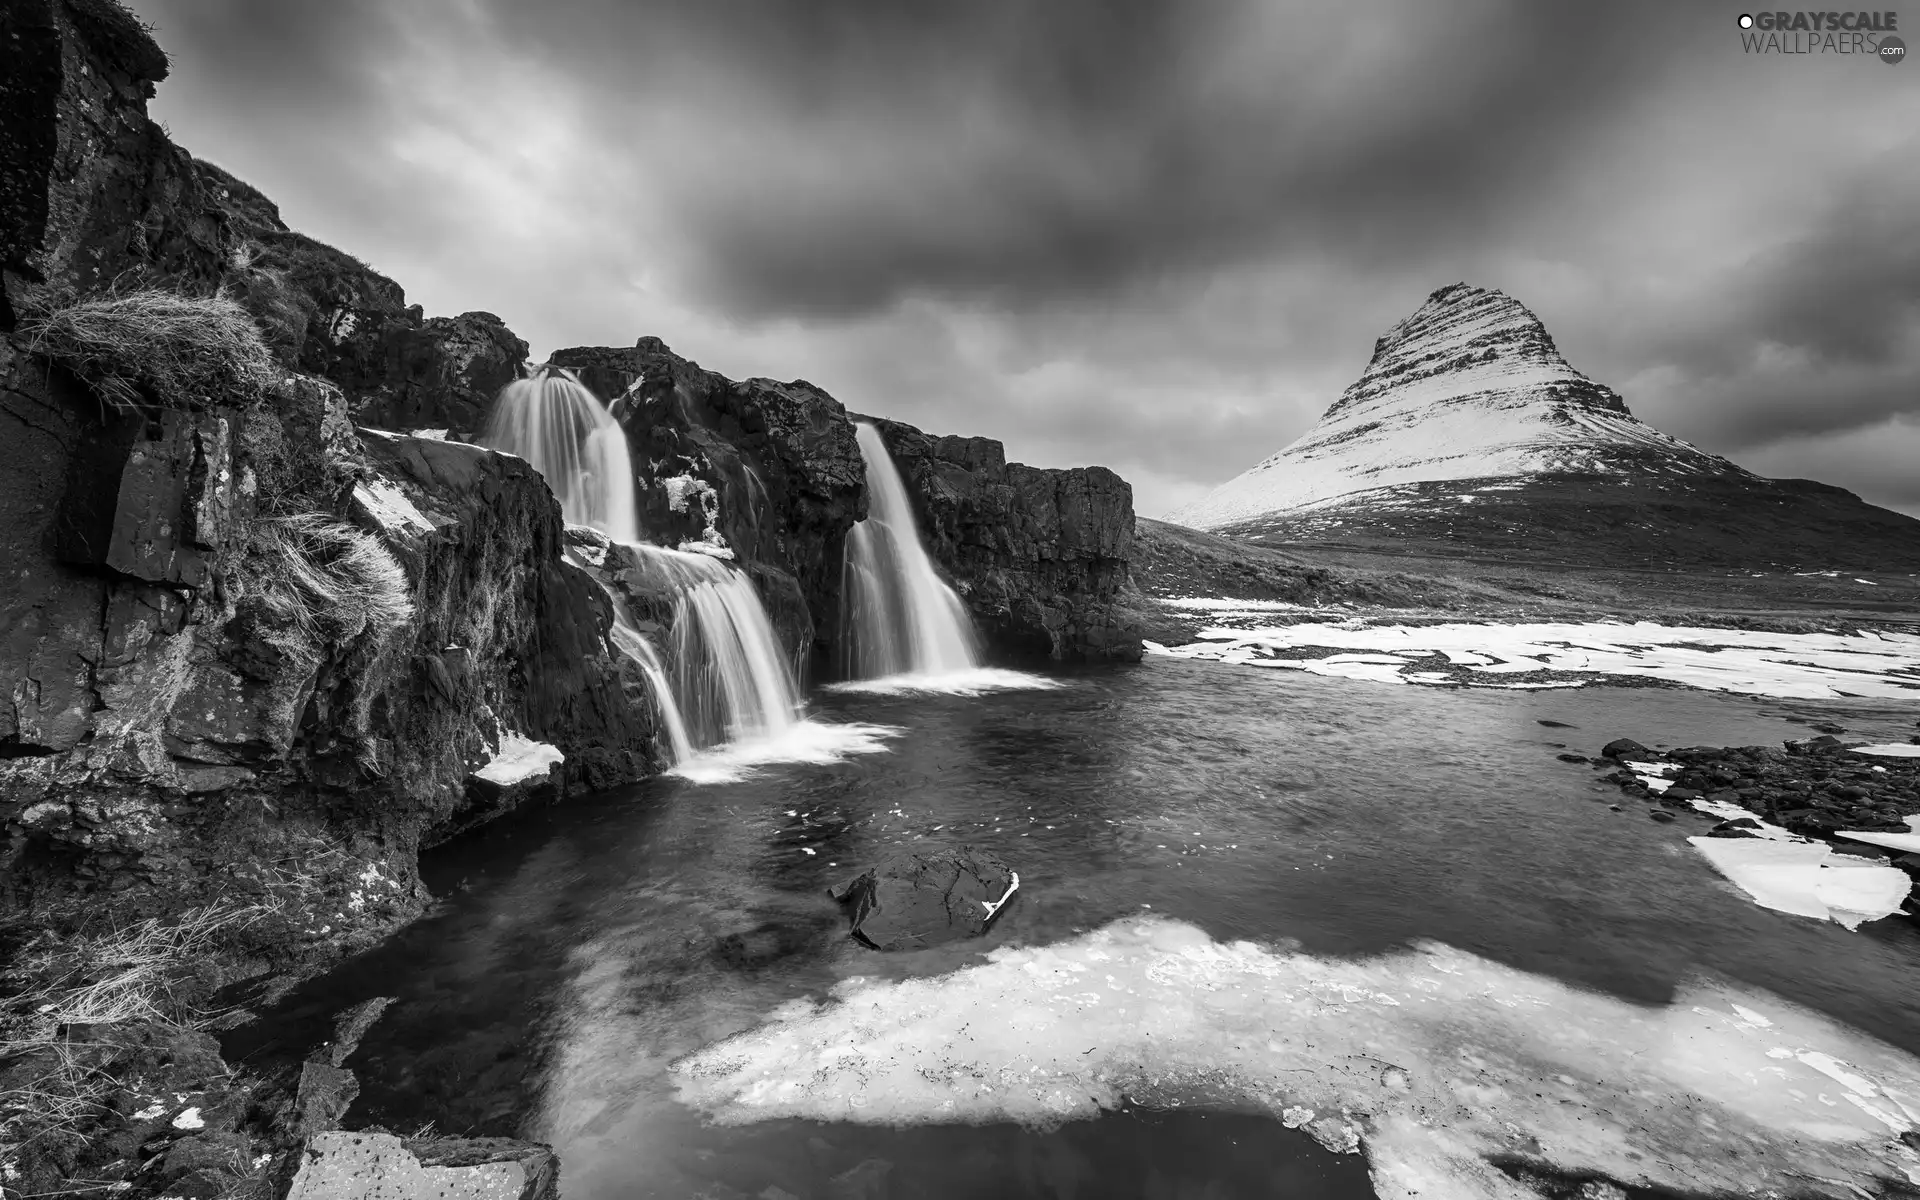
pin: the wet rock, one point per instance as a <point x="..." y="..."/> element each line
<point x="1660" y="815"/>
<point x="361" y="1166"/>
<point x="1627" y="748"/>
<point x="322" y="1098"/>
<point x="921" y="900"/>
<point x="1736" y="828"/>
<point x="349" y="1027"/>
<point x="1573" y="758"/>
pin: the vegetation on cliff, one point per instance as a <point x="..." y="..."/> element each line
<point x="156" y="347"/>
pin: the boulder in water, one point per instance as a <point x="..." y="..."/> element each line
<point x="920" y="900"/>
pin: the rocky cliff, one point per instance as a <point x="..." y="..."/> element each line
<point x="246" y="652"/>
<point x="1040" y="556"/>
<point x="771" y="472"/>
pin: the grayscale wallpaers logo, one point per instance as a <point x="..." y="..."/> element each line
<point x="1870" y="34"/>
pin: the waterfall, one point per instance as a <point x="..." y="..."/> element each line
<point x="554" y="422"/>
<point x="901" y="619"/>
<point x="728" y="680"/>
<point x="729" y="671"/>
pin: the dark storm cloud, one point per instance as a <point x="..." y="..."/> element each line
<point x="1158" y="234"/>
<point x="854" y="153"/>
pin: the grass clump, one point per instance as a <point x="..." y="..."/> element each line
<point x="158" y="346"/>
<point x="335" y="581"/>
<point x="54" y="1078"/>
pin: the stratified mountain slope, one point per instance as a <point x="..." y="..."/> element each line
<point x="1469" y="430"/>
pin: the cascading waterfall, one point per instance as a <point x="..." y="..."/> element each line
<point x="728" y="669"/>
<point x="901" y="618"/>
<point x="729" y="681"/>
<point x="554" y="422"/>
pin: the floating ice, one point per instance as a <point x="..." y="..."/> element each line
<point x="816" y="742"/>
<point x="973" y="681"/>
<point x="1808" y="878"/>
<point x="1433" y="1061"/>
<point x="1893" y="750"/>
<point x="518" y="760"/>
<point x="1750" y="662"/>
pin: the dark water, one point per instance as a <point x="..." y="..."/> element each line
<point x="582" y="949"/>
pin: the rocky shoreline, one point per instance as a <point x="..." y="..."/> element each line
<point x="1812" y="788"/>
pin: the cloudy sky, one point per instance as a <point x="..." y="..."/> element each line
<point x="1160" y="235"/>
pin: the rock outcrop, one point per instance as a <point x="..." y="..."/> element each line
<point x="1039" y="555"/>
<point x="921" y="900"/>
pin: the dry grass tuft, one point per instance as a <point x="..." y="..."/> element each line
<point x="52" y="1086"/>
<point x="158" y="346"/>
<point x="336" y="580"/>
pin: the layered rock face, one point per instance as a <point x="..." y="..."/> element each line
<point x="1039" y="555"/>
<point x="1469" y="432"/>
<point x="766" y="472"/>
<point x="245" y="652"/>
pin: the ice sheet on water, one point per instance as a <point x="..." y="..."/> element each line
<point x="815" y="742"/>
<point x="1808" y="878"/>
<point x="973" y="681"/>
<point x="1908" y="842"/>
<point x="1432" y="1060"/>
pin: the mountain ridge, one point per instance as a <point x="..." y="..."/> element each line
<point x="1470" y="431"/>
<point x="1470" y="385"/>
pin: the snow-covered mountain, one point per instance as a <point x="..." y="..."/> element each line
<point x="1468" y="387"/>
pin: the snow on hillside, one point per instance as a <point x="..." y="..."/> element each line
<point x="1468" y="387"/>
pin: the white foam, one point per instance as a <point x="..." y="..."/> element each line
<point x="1890" y="750"/>
<point x="1808" y="666"/>
<point x="520" y="759"/>
<point x="807" y="741"/>
<point x="1432" y="1060"/>
<point x="973" y="681"/>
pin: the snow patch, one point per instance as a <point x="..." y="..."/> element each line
<point x="1816" y="666"/>
<point x="389" y="506"/>
<point x="518" y="760"/>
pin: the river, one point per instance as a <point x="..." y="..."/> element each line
<point x="579" y="950"/>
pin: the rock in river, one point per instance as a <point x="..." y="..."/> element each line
<point x="919" y="900"/>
